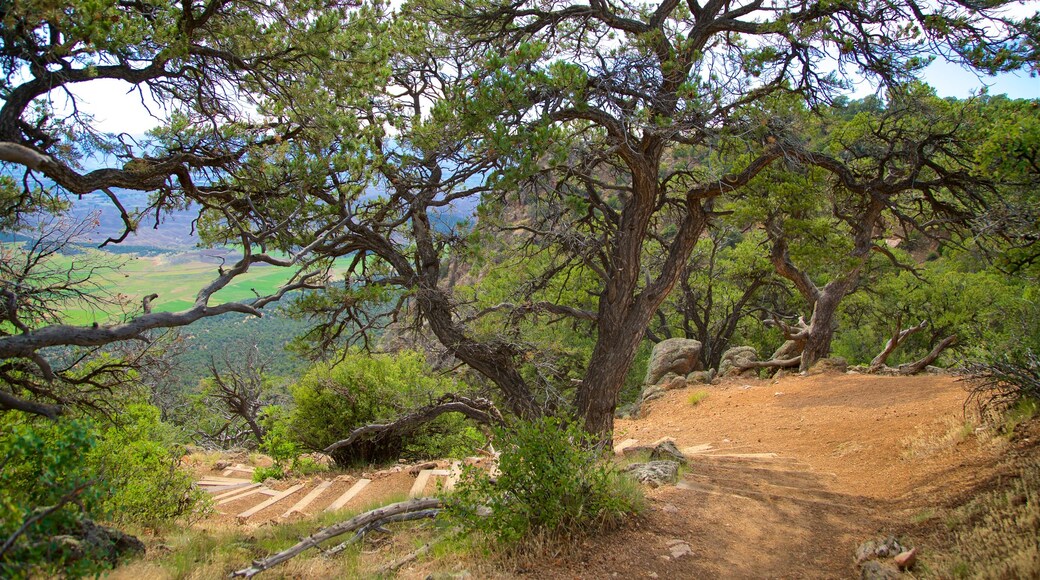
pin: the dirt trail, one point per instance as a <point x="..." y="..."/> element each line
<point x="799" y="471"/>
<point x="856" y="454"/>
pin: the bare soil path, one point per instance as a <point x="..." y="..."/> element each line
<point x="789" y="476"/>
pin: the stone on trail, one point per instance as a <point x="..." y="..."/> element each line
<point x="674" y="355"/>
<point x="885" y="547"/>
<point x="736" y="357"/>
<point x="874" y="570"/>
<point x="655" y="473"/>
<point x="906" y="560"/>
<point x="666" y="450"/>
<point x="679" y="549"/>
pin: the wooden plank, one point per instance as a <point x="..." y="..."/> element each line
<point x="453" y="476"/>
<point x="222" y="489"/>
<point x="217" y="480"/>
<point x="269" y="491"/>
<point x="270" y="501"/>
<point x="619" y="449"/>
<point x="241" y="495"/>
<point x="697" y="449"/>
<point x="239" y="488"/>
<point x="307" y="499"/>
<point x="424" y="477"/>
<point x="348" y="495"/>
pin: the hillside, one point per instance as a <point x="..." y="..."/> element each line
<point x="785" y="479"/>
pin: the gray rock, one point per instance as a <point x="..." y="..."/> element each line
<point x="736" y="356"/>
<point x="667" y="451"/>
<point x="674" y="355"/>
<point x="874" y="570"/>
<point x="700" y="377"/>
<point x="655" y="473"/>
<point x="829" y="365"/>
<point x="886" y="547"/>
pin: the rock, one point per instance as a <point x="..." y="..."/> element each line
<point x="874" y="570"/>
<point x="674" y="355"/>
<point x="109" y="543"/>
<point x="886" y="547"/>
<point x="414" y="471"/>
<point x="700" y="377"/>
<point x="669" y="508"/>
<point x="829" y="365"/>
<point x="666" y="450"/>
<point x="221" y="465"/>
<point x="734" y="357"/>
<point x="320" y="459"/>
<point x="906" y="560"/>
<point x="679" y="549"/>
<point x="655" y="473"/>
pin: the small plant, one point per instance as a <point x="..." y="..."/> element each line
<point x="262" y="474"/>
<point x="696" y="398"/>
<point x="550" y="487"/>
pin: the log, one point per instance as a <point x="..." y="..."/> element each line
<point x="898" y="337"/>
<point x="480" y="410"/>
<point x="354" y="523"/>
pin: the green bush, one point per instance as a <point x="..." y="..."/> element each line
<point x="44" y="467"/>
<point x="333" y="399"/>
<point x="138" y="459"/>
<point x="123" y="474"/>
<point x="550" y="487"/>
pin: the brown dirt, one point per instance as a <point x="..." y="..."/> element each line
<point x="858" y="456"/>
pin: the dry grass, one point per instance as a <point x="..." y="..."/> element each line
<point x="938" y="437"/>
<point x="995" y="534"/>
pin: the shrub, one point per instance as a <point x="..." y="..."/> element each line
<point x="138" y="459"/>
<point x="696" y="398"/>
<point x="999" y="385"/>
<point x="46" y="478"/>
<point x="549" y="487"/>
<point x="333" y="399"/>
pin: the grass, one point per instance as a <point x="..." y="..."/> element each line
<point x="927" y="442"/>
<point x="995" y="534"/>
<point x="696" y="397"/>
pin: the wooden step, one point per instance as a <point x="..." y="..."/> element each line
<point x="348" y="495"/>
<point x="454" y="474"/>
<point x="237" y="497"/>
<point x="217" y="480"/>
<point x="419" y="487"/>
<point x="307" y="499"/>
<point x="230" y="490"/>
<point x="767" y="497"/>
<point x="270" y="501"/>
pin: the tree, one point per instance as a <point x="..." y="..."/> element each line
<point x="238" y="390"/>
<point x="229" y="75"/>
<point x="622" y="85"/>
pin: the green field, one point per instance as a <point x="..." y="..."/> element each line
<point x="175" y="277"/>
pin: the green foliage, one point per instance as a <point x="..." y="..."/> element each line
<point x="139" y="459"/>
<point x="127" y="473"/>
<point x="550" y="487"/>
<point x="333" y="399"/>
<point x="697" y="397"/>
<point x="45" y="468"/>
<point x="261" y="474"/>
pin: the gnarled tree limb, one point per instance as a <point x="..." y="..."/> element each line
<point x="893" y="343"/>
<point x="480" y="410"/>
<point x="376" y="516"/>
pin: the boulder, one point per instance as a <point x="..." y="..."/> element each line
<point x="674" y="355"/>
<point x="700" y="377"/>
<point x="97" y="541"/>
<point x="666" y="450"/>
<point x="874" y="570"/>
<point x="829" y="365"/>
<point x="735" y="357"/>
<point x="655" y="473"/>
<point x="670" y="381"/>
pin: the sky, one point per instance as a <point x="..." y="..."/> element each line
<point x="120" y="111"/>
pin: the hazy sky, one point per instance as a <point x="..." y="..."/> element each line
<point x="119" y="111"/>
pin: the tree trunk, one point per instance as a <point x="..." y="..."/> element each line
<point x="821" y="328"/>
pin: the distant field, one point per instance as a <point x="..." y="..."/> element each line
<point x="176" y="278"/>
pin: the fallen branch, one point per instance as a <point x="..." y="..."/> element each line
<point x="770" y="364"/>
<point x="393" y="566"/>
<point x="377" y="526"/>
<point x="377" y="517"/>
<point x="898" y="337"/>
<point x="916" y="367"/>
<point x="480" y="410"/>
